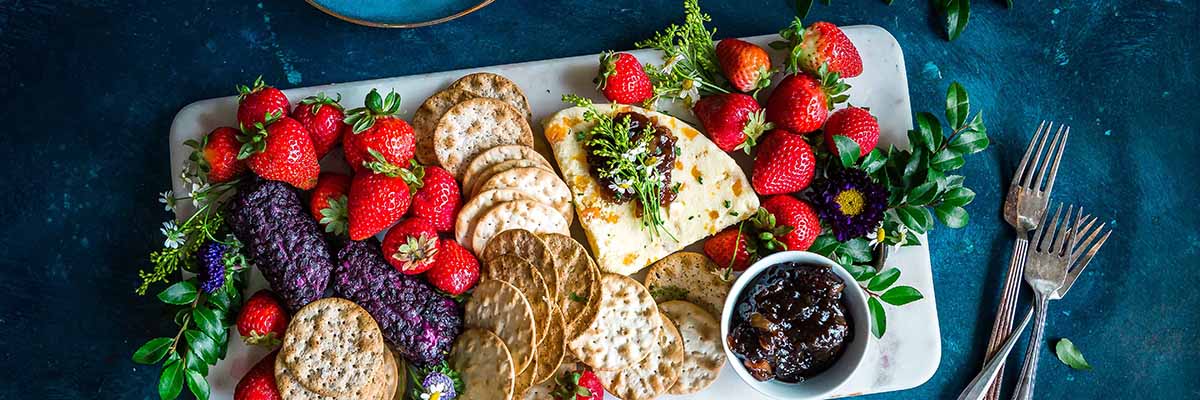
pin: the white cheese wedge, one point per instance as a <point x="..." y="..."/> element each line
<point x="713" y="193"/>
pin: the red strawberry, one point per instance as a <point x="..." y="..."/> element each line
<point x="262" y="320"/>
<point x="801" y="103"/>
<point x="730" y="248"/>
<point x="438" y="200"/>
<point x="822" y="43"/>
<point x="746" y="65"/>
<point x="281" y="151"/>
<point x="733" y="121"/>
<point x="455" y="271"/>
<point x="376" y="127"/>
<point x="855" y="123"/>
<point x="380" y="197"/>
<point x="579" y="385"/>
<point x="217" y="155"/>
<point x="328" y="204"/>
<point x="784" y="164"/>
<point x="259" y="381"/>
<point x="796" y="215"/>
<point x="622" y="79"/>
<point x="322" y="116"/>
<point x="411" y="246"/>
<point x="255" y="103"/>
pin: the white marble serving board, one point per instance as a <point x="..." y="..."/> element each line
<point x="906" y="357"/>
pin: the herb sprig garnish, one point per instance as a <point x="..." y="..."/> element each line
<point x="629" y="162"/>
<point x="691" y="69"/>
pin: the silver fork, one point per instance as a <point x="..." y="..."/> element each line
<point x="1046" y="272"/>
<point x="1081" y="256"/>
<point x="1024" y="207"/>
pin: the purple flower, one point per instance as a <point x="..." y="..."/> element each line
<point x="849" y="201"/>
<point x="437" y="386"/>
<point x="212" y="266"/>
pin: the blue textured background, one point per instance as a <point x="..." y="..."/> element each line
<point x="89" y="89"/>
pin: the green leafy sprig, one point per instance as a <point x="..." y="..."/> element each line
<point x="691" y="69"/>
<point x="627" y="159"/>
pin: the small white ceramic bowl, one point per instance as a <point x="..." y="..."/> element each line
<point x="826" y="382"/>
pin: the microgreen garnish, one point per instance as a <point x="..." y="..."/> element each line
<point x="691" y="69"/>
<point x="628" y="161"/>
<point x="576" y="297"/>
<point x="663" y="294"/>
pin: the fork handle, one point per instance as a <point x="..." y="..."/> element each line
<point x="1024" y="389"/>
<point x="1002" y="326"/>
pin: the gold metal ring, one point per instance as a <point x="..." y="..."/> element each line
<point x="408" y="25"/>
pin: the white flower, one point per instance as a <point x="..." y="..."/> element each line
<point x="199" y="193"/>
<point x="167" y="198"/>
<point x="670" y="65"/>
<point x="174" y="235"/>
<point x="690" y="92"/>
<point x="433" y="392"/>
<point x="877" y="236"/>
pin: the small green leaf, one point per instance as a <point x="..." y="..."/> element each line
<point x="861" y="272"/>
<point x="922" y="194"/>
<point x="1070" y="355"/>
<point x="202" y="345"/>
<point x="914" y="167"/>
<point x="859" y="249"/>
<point x="928" y="132"/>
<point x="884" y="279"/>
<point x="170" y="383"/>
<point x="197" y="385"/>
<point x="958" y="107"/>
<point x="901" y="295"/>
<point x="874" y="161"/>
<point x="180" y="293"/>
<point x="958" y="197"/>
<point x="912" y="240"/>
<point x="969" y="142"/>
<point x="847" y="149"/>
<point x="196" y="364"/>
<point x="951" y="216"/>
<point x="153" y="351"/>
<point x="947" y="160"/>
<point x="957" y="13"/>
<point x="825" y="245"/>
<point x="207" y="321"/>
<point x="917" y="219"/>
<point x="802" y="8"/>
<point x="878" y="318"/>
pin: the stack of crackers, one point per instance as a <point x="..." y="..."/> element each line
<point x="333" y="349"/>
<point x="478" y="130"/>
<point x="537" y="292"/>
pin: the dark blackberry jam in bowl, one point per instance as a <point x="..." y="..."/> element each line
<point x="795" y="326"/>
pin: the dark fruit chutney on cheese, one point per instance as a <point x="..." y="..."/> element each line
<point x="658" y="147"/>
<point x="791" y="325"/>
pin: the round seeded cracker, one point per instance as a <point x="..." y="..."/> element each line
<point x="579" y="283"/>
<point x="485" y="364"/>
<point x="518" y="214"/>
<point x="544" y="185"/>
<point x="550" y="350"/>
<point x="652" y="376"/>
<point x="476" y="125"/>
<point x="689" y="276"/>
<point x="333" y="347"/>
<point x="626" y="328"/>
<point x="529" y="247"/>
<point x="426" y="118"/>
<point x="472" y="183"/>
<point x="464" y="223"/>
<point x="523" y="276"/>
<point x="383" y="383"/>
<point x="499" y="307"/>
<point x="486" y="84"/>
<point x="703" y="354"/>
<point x="497" y="155"/>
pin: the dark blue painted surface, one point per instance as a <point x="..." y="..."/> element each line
<point x="89" y="89"/>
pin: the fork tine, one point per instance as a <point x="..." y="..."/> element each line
<point x="1018" y="176"/>
<point x="1037" y="158"/>
<point x="1042" y="167"/>
<point x="1082" y="263"/>
<point x="1057" y="157"/>
<point x="1083" y="245"/>
<point x="1065" y="228"/>
<point x="1046" y="236"/>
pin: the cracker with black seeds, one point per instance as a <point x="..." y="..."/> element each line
<point x="426" y="118"/>
<point x="333" y="347"/>
<point x="487" y="84"/>
<point x="527" y="246"/>
<point x="473" y="126"/>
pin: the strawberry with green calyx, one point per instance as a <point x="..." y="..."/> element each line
<point x="323" y="117"/>
<point x="733" y="121"/>
<point x="411" y="246"/>
<point x="381" y="196"/>
<point x="855" y="123"/>
<point x="216" y="155"/>
<point x="256" y="102"/>
<point x="792" y="221"/>
<point x="280" y="149"/>
<point x="745" y="65"/>
<point x="622" y="79"/>
<point x="328" y="202"/>
<point x="262" y="320"/>
<point x="801" y="103"/>
<point x="731" y="249"/>
<point x="376" y="127"/>
<point x="579" y="385"/>
<point x="822" y="43"/>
